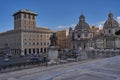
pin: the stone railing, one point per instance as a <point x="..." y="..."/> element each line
<point x="102" y="53"/>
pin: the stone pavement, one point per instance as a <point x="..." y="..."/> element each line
<point x="104" y="69"/>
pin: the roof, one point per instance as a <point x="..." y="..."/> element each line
<point x="25" y="11"/>
<point x="111" y="22"/>
<point x="82" y="25"/>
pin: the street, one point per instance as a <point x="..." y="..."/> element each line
<point x="102" y="69"/>
<point x="13" y="60"/>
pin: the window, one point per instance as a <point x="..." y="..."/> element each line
<point x="25" y="51"/>
<point x="29" y="51"/>
<point x="33" y="43"/>
<point x="37" y="35"/>
<point x="37" y="50"/>
<point x="24" y="15"/>
<point x="41" y="35"/>
<point x="48" y="43"/>
<point x="37" y="43"/>
<point x="91" y="35"/>
<point x="29" y="17"/>
<point x="78" y="35"/>
<point x="15" y="17"/>
<point x="41" y="49"/>
<point x="33" y="17"/>
<point x="73" y="46"/>
<point x="109" y="31"/>
<point x="34" y="50"/>
<point x="44" y="43"/>
<point x="29" y="43"/>
<point x="45" y="50"/>
<point x="19" y="16"/>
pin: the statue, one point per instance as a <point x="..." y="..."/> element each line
<point x="53" y="50"/>
<point x="53" y="40"/>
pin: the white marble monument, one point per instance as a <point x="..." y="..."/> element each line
<point x="53" y="54"/>
<point x="53" y="50"/>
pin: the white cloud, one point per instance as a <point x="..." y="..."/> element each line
<point x="100" y="24"/>
<point x="118" y="19"/>
<point x="66" y="27"/>
<point x="73" y="25"/>
<point x="62" y="27"/>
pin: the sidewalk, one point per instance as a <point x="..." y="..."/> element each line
<point x="25" y="72"/>
<point x="97" y="69"/>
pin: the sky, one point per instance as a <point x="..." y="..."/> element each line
<point x="59" y="14"/>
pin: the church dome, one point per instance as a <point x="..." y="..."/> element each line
<point x="82" y="25"/>
<point x="111" y="22"/>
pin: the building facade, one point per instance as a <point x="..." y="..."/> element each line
<point x="110" y="27"/>
<point x="106" y="37"/>
<point x="96" y="31"/>
<point x="81" y="36"/>
<point x="63" y="39"/>
<point x="26" y="37"/>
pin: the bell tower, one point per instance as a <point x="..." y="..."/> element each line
<point x="24" y="20"/>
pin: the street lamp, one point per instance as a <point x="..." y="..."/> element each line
<point x="46" y="61"/>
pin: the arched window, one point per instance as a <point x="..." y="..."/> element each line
<point x="29" y="51"/>
<point x="109" y="31"/>
<point x="78" y="35"/>
<point x="34" y="50"/>
<point x="41" y="49"/>
<point x="25" y="51"/>
<point x="37" y="50"/>
<point x="44" y="49"/>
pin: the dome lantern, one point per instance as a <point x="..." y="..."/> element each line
<point x="110" y="15"/>
<point x="82" y="18"/>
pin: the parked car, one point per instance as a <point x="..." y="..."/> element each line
<point x="9" y="55"/>
<point x="34" y="59"/>
<point x="6" y="59"/>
